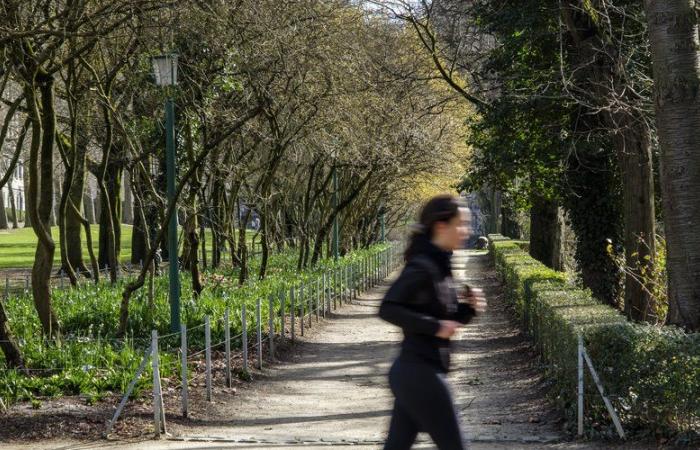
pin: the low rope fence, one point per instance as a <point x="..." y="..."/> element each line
<point x="290" y="312"/>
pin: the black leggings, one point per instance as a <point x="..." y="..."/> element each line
<point x="422" y="403"/>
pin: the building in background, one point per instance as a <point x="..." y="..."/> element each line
<point x="14" y="186"/>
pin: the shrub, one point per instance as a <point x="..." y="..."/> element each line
<point x="651" y="374"/>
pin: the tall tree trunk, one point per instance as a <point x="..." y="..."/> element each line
<point x="509" y="225"/>
<point x="675" y="49"/>
<point x="243" y="247"/>
<point x="96" y="207"/>
<point x="71" y="221"/>
<point x="110" y="220"/>
<point x="89" y="207"/>
<point x="265" y="240"/>
<point x="191" y="226"/>
<point x="635" y="162"/>
<point x="543" y="230"/>
<point x="13" y="357"/>
<point x="55" y="211"/>
<point x="4" y="223"/>
<point x="604" y="75"/>
<point x="303" y="248"/>
<point x="593" y="206"/>
<point x="27" y="218"/>
<point x="138" y="238"/>
<point x="203" y="244"/>
<point x="13" y="207"/>
<point x="128" y="205"/>
<point x="40" y="198"/>
<point x="559" y="245"/>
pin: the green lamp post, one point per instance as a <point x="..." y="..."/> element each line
<point x="382" y="221"/>
<point x="165" y="71"/>
<point x="336" y="233"/>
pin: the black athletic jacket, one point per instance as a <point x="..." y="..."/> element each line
<point x="421" y="297"/>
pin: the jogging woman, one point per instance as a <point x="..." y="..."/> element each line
<point x="423" y="302"/>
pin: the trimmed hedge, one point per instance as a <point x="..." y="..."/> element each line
<point x="651" y="374"/>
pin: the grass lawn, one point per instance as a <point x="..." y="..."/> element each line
<point x="17" y="247"/>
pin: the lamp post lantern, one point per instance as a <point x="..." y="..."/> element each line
<point x="165" y="72"/>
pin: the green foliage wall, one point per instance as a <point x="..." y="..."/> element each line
<point x="651" y="374"/>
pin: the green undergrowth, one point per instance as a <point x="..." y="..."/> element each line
<point x="90" y="360"/>
<point x="651" y="374"/>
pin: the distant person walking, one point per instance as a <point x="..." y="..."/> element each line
<point x="423" y="302"/>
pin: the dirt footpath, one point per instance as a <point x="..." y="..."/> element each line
<point x="331" y="390"/>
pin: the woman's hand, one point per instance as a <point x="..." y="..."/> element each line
<point x="447" y="328"/>
<point x="475" y="298"/>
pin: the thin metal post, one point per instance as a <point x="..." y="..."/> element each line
<point x="346" y="277"/>
<point x="7" y="287"/>
<point x="310" y="302"/>
<point x="316" y="298"/>
<point x="282" y="324"/>
<point x="327" y="290"/>
<point x="244" y="338"/>
<point x="156" y="391"/>
<point x="271" y="325"/>
<point x="207" y="353"/>
<point x="382" y="219"/>
<point x="301" y="302"/>
<point x="294" y="312"/>
<point x="353" y="278"/>
<point x="374" y="270"/>
<point x="580" y="385"/>
<point x="608" y="405"/>
<point x="183" y="353"/>
<point x="129" y="389"/>
<point x="336" y="277"/>
<point x="259" y="323"/>
<point x="336" y="237"/>
<point x="322" y="280"/>
<point x="364" y="274"/>
<point x="227" y="346"/>
<point x="170" y="162"/>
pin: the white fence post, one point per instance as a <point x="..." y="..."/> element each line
<point x="183" y="352"/>
<point x="158" y="410"/>
<point x="129" y="389"/>
<point x="317" y="296"/>
<point x="580" y="385"/>
<point x="608" y="405"/>
<point x="207" y="353"/>
<point x="301" y="303"/>
<point x="227" y="346"/>
<point x="293" y="312"/>
<point x="271" y="325"/>
<point x="282" y="319"/>
<point x="244" y="338"/>
<point x="259" y="323"/>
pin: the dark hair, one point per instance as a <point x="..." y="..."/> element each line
<point x="441" y="208"/>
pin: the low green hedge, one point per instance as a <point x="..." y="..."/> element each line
<point x="651" y="374"/>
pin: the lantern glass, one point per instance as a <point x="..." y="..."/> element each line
<point x="165" y="69"/>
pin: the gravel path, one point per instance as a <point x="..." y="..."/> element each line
<point x="331" y="389"/>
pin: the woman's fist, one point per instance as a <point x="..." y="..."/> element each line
<point x="447" y="328"/>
